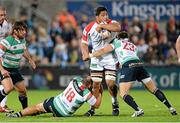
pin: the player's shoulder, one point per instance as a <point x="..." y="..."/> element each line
<point x="9" y="39"/>
<point x="90" y="25"/>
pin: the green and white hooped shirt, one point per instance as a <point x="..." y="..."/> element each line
<point x="125" y="50"/>
<point x="14" y="51"/>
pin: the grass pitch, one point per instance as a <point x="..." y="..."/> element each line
<point x="154" y="110"/>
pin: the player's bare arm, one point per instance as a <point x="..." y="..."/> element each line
<point x="28" y="57"/>
<point x="178" y="48"/>
<point x="2" y="51"/>
<point x="84" y="51"/>
<point x="114" y="27"/>
<point x="102" y="51"/>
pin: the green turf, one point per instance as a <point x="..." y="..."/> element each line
<point x="154" y="110"/>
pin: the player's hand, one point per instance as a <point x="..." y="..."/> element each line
<point x="4" y="72"/>
<point x="85" y="58"/>
<point x="32" y="63"/>
<point x="179" y="60"/>
<point x="99" y="28"/>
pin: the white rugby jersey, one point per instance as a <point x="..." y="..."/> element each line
<point x="125" y="50"/>
<point x="91" y="35"/>
<point x="73" y="97"/>
<point x="4" y="29"/>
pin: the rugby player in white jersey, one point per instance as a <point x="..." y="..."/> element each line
<point x="12" y="49"/>
<point x="5" y="30"/>
<point x="66" y="103"/>
<point x="132" y="70"/>
<point x="100" y="33"/>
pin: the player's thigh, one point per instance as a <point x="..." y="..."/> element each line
<point x="7" y="84"/>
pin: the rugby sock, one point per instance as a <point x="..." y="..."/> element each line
<point x="159" y="94"/>
<point x="3" y="94"/>
<point x="115" y="91"/>
<point x="130" y="101"/>
<point x="24" y="101"/>
<point x="18" y="114"/>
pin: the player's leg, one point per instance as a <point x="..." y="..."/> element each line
<point x="3" y="106"/>
<point x="7" y="87"/>
<point x="97" y="77"/>
<point x="150" y="85"/>
<point x="143" y="76"/>
<point x="29" y="111"/>
<point x="21" y="89"/>
<point x="128" y="76"/>
<point x="110" y="77"/>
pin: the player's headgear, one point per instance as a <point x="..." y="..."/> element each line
<point x="122" y="35"/>
<point x="99" y="9"/>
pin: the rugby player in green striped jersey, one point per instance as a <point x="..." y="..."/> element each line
<point x="12" y="50"/>
<point x="66" y="103"/>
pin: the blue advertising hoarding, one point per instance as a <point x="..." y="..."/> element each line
<point x="160" y="9"/>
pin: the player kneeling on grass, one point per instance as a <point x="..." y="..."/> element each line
<point x="66" y="103"/>
<point x="131" y="71"/>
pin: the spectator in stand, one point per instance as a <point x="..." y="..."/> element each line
<point x="46" y="44"/>
<point x="124" y="24"/>
<point x="84" y="21"/>
<point x="68" y="32"/>
<point x="142" y="48"/>
<point x="73" y="52"/>
<point x="153" y="51"/>
<point x="54" y="30"/>
<point x="35" y="51"/>
<point x="151" y="29"/>
<point x="172" y="30"/>
<point x="163" y="47"/>
<point x="65" y="16"/>
<point x="171" y="57"/>
<point x="60" y="55"/>
<point x="136" y="27"/>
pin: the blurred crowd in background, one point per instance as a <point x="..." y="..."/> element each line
<point x="59" y="44"/>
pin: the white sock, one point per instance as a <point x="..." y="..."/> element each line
<point x="3" y="102"/>
<point x="114" y="99"/>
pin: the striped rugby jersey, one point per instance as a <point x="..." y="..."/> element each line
<point x="14" y="51"/>
<point x="91" y="35"/>
<point x="72" y="98"/>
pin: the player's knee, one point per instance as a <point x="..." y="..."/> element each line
<point x="22" y="92"/>
<point x="122" y="93"/>
<point x="8" y="89"/>
<point x="96" y="86"/>
<point x="110" y="84"/>
<point x="39" y="107"/>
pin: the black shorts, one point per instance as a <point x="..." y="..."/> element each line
<point x="49" y="107"/>
<point x="15" y="75"/>
<point x="132" y="71"/>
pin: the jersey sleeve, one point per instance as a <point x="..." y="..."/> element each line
<point x="115" y="44"/>
<point x="85" y="36"/>
<point x="5" y="43"/>
<point x="89" y="98"/>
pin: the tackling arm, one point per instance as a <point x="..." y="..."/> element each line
<point x="114" y="27"/>
<point x="102" y="51"/>
<point x="178" y="48"/>
<point x="84" y="51"/>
